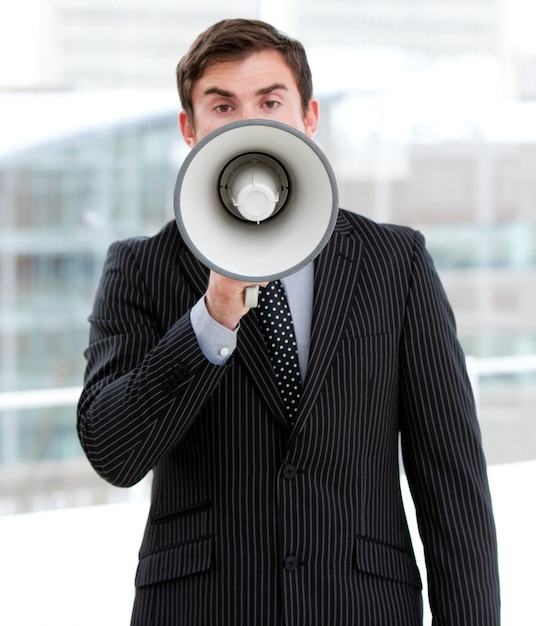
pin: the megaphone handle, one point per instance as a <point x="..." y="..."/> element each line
<point x="251" y="296"/>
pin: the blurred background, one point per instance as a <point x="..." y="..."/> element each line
<point x="428" y="119"/>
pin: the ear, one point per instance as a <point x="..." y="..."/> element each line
<point x="187" y="129"/>
<point x="311" y="118"/>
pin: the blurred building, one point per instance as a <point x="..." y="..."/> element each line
<point x="92" y="177"/>
<point x="73" y="44"/>
<point x="427" y="122"/>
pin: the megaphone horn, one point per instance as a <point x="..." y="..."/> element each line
<point x="256" y="200"/>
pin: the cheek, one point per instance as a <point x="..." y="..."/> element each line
<point x="206" y="127"/>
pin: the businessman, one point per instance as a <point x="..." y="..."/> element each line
<point x="285" y="510"/>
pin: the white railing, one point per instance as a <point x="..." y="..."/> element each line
<point x="493" y="366"/>
<point x="39" y="398"/>
<point x="12" y="401"/>
<point x="68" y="396"/>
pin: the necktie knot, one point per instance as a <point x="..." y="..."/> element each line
<point x="276" y="325"/>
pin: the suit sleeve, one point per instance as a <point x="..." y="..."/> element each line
<point x="143" y="387"/>
<point x="444" y="460"/>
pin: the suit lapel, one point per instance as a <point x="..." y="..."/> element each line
<point x="193" y="271"/>
<point x="336" y="274"/>
<point x="251" y="348"/>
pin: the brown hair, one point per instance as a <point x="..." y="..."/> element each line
<point x="234" y="40"/>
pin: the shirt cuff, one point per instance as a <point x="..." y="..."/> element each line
<point x="216" y="342"/>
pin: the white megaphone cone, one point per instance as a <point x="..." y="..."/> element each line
<point x="256" y="200"/>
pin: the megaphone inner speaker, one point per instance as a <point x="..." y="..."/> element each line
<point x="254" y="187"/>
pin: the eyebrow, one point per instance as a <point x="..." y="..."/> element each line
<point x="260" y="92"/>
<point x="274" y="87"/>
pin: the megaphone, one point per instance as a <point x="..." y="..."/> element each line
<point x="256" y="200"/>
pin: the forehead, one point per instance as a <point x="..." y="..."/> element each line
<point x="247" y="73"/>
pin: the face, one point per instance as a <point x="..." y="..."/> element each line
<point x="259" y="86"/>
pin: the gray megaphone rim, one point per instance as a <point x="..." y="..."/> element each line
<point x="238" y="275"/>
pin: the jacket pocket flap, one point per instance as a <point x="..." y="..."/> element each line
<point x="175" y="562"/>
<point x="386" y="561"/>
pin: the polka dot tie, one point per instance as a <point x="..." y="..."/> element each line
<point x="276" y="325"/>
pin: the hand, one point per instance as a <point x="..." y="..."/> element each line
<point x="225" y="299"/>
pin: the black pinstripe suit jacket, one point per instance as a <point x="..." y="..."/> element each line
<point x="254" y="524"/>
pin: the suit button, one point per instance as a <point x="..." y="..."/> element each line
<point x="289" y="471"/>
<point x="180" y="371"/>
<point x="291" y="563"/>
<point x="167" y="387"/>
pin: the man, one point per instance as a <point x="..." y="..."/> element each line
<point x="257" y="519"/>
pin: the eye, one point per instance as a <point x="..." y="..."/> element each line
<point x="223" y="108"/>
<point x="271" y="104"/>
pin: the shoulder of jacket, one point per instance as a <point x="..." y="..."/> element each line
<point x="167" y="236"/>
<point x="368" y="228"/>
